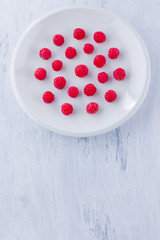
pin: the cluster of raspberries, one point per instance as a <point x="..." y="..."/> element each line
<point x="81" y="71"/>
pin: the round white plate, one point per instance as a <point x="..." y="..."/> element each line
<point x="133" y="58"/>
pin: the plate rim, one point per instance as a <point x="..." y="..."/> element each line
<point x="81" y="134"/>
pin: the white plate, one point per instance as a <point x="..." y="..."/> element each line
<point x="133" y="58"/>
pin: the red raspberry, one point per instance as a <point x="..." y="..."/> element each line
<point x="113" y="53"/>
<point x="79" y="33"/>
<point x="88" y="48"/>
<point x="90" y="89"/>
<point x="45" y="53"/>
<point x="110" y="96"/>
<point x="58" y="39"/>
<point x="119" y="74"/>
<point x="70" y="52"/>
<point x="99" y="37"/>
<point x="40" y="74"/>
<point x="99" y="61"/>
<point x="92" y="108"/>
<point x="73" y="92"/>
<point x="81" y="71"/>
<point x="59" y="82"/>
<point x="102" y="77"/>
<point x="66" y="109"/>
<point x="57" y="65"/>
<point x="48" y="97"/>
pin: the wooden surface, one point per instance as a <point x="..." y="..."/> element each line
<point x="98" y="188"/>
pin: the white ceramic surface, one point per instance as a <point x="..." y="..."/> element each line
<point x="131" y="92"/>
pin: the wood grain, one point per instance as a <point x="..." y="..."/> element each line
<point x="98" y="188"/>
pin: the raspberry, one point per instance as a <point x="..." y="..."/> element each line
<point x="73" y="92"/>
<point x="57" y="65"/>
<point x="66" y="109"/>
<point x="110" y="96"/>
<point x="45" y="53"/>
<point x="119" y="74"/>
<point x="102" y="77"/>
<point x="90" y="89"/>
<point x="113" y="53"/>
<point x="99" y="61"/>
<point x="40" y="74"/>
<point x="88" y="48"/>
<point x="58" y="39"/>
<point x="70" y="52"/>
<point x="48" y="97"/>
<point x="59" y="82"/>
<point x="79" y="33"/>
<point x="92" y="108"/>
<point x="81" y="71"/>
<point x="99" y="37"/>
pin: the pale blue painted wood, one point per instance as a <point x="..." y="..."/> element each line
<point x="98" y="188"/>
